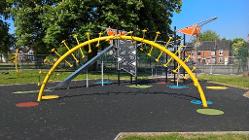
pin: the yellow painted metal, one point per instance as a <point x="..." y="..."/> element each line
<point x="159" y="56"/>
<point x="65" y="44"/>
<point x="89" y="45"/>
<point x="138" y="39"/>
<point x="16" y="60"/>
<point x="46" y="61"/>
<point x="167" y="44"/>
<point x="169" y="61"/>
<point x="98" y="44"/>
<point x="129" y="33"/>
<point x="144" y="31"/>
<point x="53" y="50"/>
<point x="186" y="76"/>
<point x="155" y="39"/>
<point x="50" y="97"/>
<point x="75" y="36"/>
<point x="216" y="87"/>
<point x="179" y="66"/>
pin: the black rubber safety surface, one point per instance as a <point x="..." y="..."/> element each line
<point x="100" y="113"/>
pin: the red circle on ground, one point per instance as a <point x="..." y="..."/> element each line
<point x="162" y="83"/>
<point x="27" y="104"/>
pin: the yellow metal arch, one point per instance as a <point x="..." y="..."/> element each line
<point x="148" y="42"/>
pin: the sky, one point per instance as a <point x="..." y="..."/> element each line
<point x="233" y="16"/>
<point x="232" y="22"/>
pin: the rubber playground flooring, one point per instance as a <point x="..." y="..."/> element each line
<point x="100" y="113"/>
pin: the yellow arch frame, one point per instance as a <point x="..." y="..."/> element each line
<point x="148" y="42"/>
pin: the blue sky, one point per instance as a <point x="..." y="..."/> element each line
<point x="233" y="16"/>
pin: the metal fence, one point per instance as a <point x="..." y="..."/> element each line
<point x="145" y="65"/>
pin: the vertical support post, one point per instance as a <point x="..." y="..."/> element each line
<point x="174" y="52"/>
<point x="166" y="70"/>
<point x="102" y="73"/>
<point x="87" y="84"/>
<point x="130" y="79"/>
<point x="178" y="72"/>
<point x="39" y="78"/>
<point x="136" y="64"/>
<point x="117" y="46"/>
<point x="118" y="77"/>
<point x="184" y="56"/>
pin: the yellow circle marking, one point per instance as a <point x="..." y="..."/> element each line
<point x="217" y="87"/>
<point x="50" y="97"/>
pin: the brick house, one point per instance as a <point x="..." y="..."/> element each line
<point x="211" y="52"/>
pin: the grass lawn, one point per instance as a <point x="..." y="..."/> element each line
<point x="189" y="137"/>
<point x="32" y="76"/>
<point x="233" y="80"/>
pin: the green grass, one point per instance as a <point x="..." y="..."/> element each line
<point x="233" y="80"/>
<point x="32" y="76"/>
<point x="189" y="137"/>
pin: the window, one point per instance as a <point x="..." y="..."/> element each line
<point x="220" y="59"/>
<point x="213" y="60"/>
<point x="198" y="53"/>
<point x="212" y="53"/>
<point x="221" y="52"/>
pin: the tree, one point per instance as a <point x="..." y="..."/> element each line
<point x="6" y="39"/>
<point x="43" y="24"/>
<point x="47" y="22"/>
<point x="209" y="36"/>
<point x="240" y="51"/>
<point x="29" y="29"/>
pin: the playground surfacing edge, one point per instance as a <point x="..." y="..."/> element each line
<point x="216" y="133"/>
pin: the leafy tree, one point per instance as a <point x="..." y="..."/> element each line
<point x="240" y="51"/>
<point x="209" y="36"/>
<point x="6" y="39"/>
<point x="47" y="22"/>
<point x="29" y="30"/>
<point x="43" y="24"/>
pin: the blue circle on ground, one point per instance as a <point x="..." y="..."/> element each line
<point x="104" y="82"/>
<point x="199" y="102"/>
<point x="177" y="86"/>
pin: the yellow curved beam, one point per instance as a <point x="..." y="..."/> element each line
<point x="152" y="43"/>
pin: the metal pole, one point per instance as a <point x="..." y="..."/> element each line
<point x="174" y="52"/>
<point x="184" y="55"/>
<point x="87" y="84"/>
<point x="166" y="70"/>
<point x="136" y="64"/>
<point x="117" y="41"/>
<point x="118" y="77"/>
<point x="102" y="73"/>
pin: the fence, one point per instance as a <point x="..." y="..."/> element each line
<point x="145" y="65"/>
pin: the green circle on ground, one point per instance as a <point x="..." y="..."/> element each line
<point x="210" y="112"/>
<point x="139" y="86"/>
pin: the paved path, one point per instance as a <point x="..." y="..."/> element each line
<point x="100" y="113"/>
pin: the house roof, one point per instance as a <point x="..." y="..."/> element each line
<point x="212" y="45"/>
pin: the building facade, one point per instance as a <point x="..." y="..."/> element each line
<point x="211" y="52"/>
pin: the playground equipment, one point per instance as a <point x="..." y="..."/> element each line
<point x="195" y="29"/>
<point x="16" y="60"/>
<point x="120" y="36"/>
